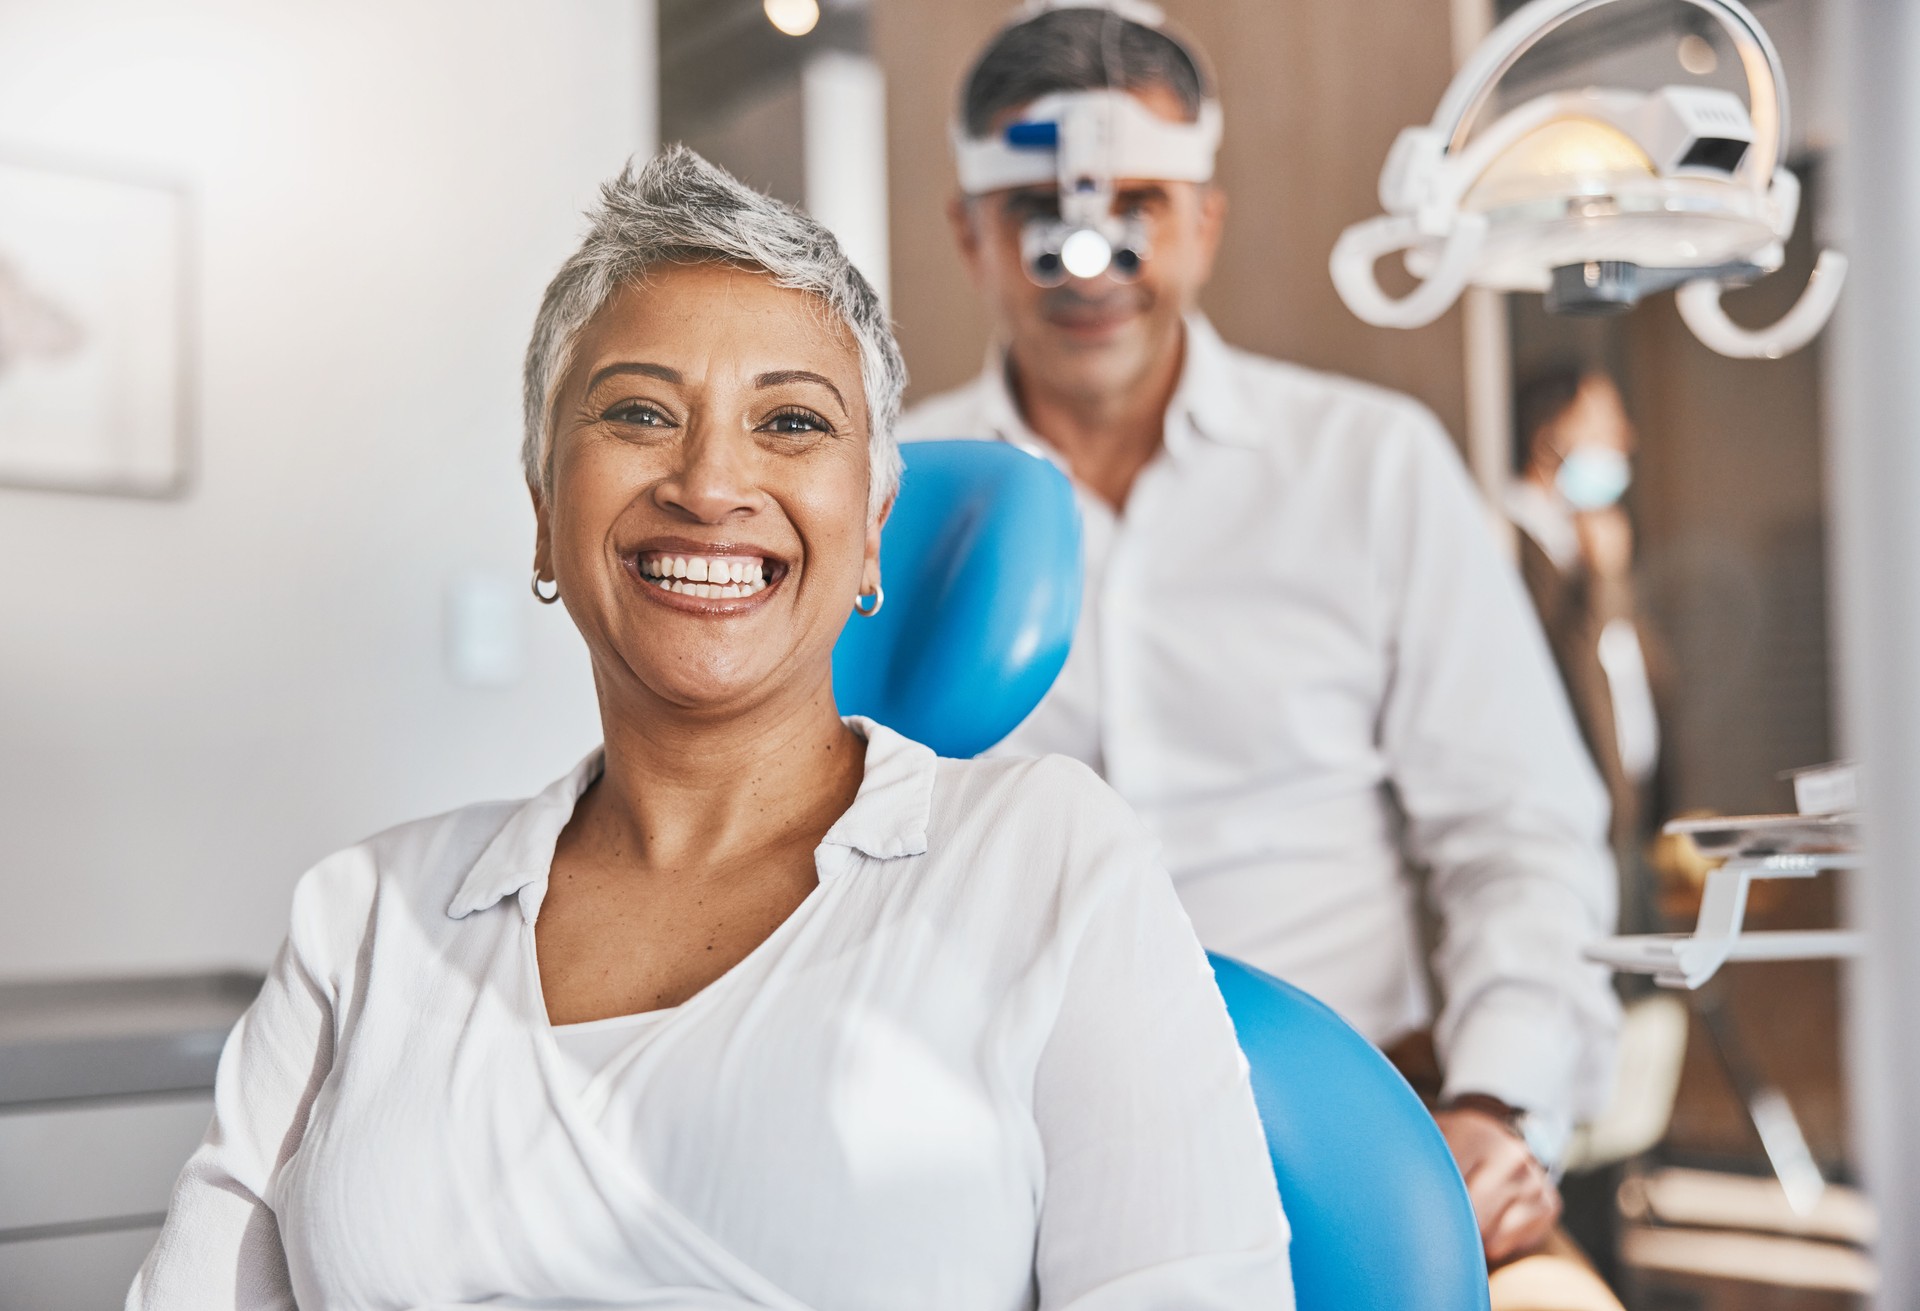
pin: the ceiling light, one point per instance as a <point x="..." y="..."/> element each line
<point x="794" y="17"/>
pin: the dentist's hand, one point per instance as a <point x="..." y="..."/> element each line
<point x="1513" y="1198"/>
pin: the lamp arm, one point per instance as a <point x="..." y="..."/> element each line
<point x="1700" y="308"/>
<point x="1361" y="246"/>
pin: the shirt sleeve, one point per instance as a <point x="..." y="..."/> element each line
<point x="1502" y="806"/>
<point x="1158" y="1189"/>
<point x="220" y="1248"/>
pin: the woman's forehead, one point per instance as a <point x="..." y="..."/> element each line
<point x="719" y="319"/>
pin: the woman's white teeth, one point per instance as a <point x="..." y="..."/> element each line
<point x="711" y="591"/>
<point x="713" y="577"/>
<point x="710" y="576"/>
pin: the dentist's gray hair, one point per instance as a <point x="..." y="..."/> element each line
<point x="680" y="209"/>
<point x="1078" y="48"/>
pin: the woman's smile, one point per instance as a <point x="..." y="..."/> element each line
<point x="705" y="578"/>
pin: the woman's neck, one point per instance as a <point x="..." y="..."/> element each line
<point x="688" y="793"/>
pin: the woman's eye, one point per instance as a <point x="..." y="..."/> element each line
<point x="790" y="422"/>
<point x="633" y="412"/>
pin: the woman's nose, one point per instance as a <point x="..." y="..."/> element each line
<point x="713" y="478"/>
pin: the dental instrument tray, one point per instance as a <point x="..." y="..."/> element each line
<point x="1751" y="836"/>
<point x="1749" y="847"/>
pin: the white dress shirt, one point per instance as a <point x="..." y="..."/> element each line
<point x="1303" y="661"/>
<point x="983" y="1065"/>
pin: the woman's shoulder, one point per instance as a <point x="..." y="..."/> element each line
<point x="419" y="848"/>
<point x="1050" y="783"/>
<point x="1049" y="813"/>
<point x="416" y="862"/>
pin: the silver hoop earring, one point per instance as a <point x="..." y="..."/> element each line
<point x="879" y="595"/>
<point x="545" y="598"/>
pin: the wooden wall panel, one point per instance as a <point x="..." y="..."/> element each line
<point x="1314" y="93"/>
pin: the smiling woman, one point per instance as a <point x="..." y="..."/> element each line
<point x="759" y="1006"/>
<point x="702" y="433"/>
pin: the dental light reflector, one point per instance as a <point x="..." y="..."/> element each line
<point x="1085" y="253"/>
<point x="1594" y="198"/>
<point x="1081" y="143"/>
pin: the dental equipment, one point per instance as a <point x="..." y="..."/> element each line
<point x="1082" y="142"/>
<point x="1595" y="198"/>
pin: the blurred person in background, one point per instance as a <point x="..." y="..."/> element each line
<point x="758" y="1007"/>
<point x="1301" y="656"/>
<point x="1573" y="454"/>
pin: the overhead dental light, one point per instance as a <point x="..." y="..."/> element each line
<point x="1595" y="198"/>
<point x="1081" y="142"/>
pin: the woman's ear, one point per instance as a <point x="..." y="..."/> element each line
<point x="870" y="567"/>
<point x="542" y="537"/>
<point x="871" y="571"/>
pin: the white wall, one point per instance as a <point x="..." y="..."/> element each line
<point x="844" y="128"/>
<point x="198" y="698"/>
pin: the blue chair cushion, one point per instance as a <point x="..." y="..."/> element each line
<point x="1380" y="1216"/>
<point x="981" y="563"/>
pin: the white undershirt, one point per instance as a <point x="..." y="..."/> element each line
<point x="588" y="1048"/>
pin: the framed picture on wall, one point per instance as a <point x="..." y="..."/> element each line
<point x="93" y="331"/>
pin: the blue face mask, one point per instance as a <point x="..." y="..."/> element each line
<point x="1593" y="477"/>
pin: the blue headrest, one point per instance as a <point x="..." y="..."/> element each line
<point x="1380" y="1216"/>
<point x="981" y="563"/>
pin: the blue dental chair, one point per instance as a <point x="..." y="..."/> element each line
<point x="982" y="555"/>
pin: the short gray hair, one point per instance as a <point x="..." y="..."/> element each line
<point x="680" y="209"/>
<point x="1077" y="49"/>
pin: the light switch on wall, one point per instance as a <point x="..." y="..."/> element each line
<point x="486" y="633"/>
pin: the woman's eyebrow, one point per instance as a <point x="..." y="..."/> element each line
<point x="660" y="371"/>
<point x="780" y="377"/>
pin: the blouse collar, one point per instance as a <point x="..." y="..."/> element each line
<point x="888" y="819"/>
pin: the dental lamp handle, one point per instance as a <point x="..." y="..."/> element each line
<point x="1361" y="246"/>
<point x="1700" y="309"/>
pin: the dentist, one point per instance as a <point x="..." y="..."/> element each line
<point x="1301" y="657"/>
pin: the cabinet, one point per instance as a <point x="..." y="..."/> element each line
<point x="105" y="1090"/>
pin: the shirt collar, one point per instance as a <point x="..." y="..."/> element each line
<point x="1209" y="394"/>
<point x="888" y="819"/>
<point x="1207" y="400"/>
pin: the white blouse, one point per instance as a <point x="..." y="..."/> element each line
<point x="982" y="1065"/>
